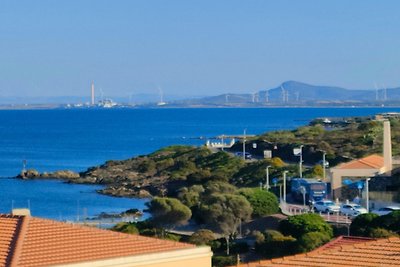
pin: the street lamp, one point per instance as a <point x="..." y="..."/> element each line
<point x="284" y="185"/>
<point x="367" y="193"/>
<point x="267" y="177"/>
<point x="301" y="162"/>
<point x="324" y="164"/>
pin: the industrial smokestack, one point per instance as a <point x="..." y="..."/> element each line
<point x="387" y="146"/>
<point x="92" y="102"/>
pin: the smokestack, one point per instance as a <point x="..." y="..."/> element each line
<point x="92" y="102"/>
<point x="387" y="146"/>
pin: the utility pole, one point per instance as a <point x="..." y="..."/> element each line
<point x="301" y="162"/>
<point x="284" y="185"/>
<point x="367" y="193"/>
<point x="324" y="163"/>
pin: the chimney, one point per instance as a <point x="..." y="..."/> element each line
<point x="92" y="94"/>
<point x="387" y="146"/>
<point x="21" y="212"/>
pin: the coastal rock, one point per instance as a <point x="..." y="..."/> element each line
<point x="63" y="174"/>
<point x="29" y="174"/>
<point x="125" y="192"/>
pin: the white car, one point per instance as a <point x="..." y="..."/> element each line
<point x="352" y="209"/>
<point x="326" y="206"/>
<point x="385" y="210"/>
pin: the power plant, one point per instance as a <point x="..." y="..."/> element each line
<point x="92" y="94"/>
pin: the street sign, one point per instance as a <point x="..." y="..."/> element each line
<point x="275" y="181"/>
<point x="360" y="185"/>
<point x="297" y="151"/>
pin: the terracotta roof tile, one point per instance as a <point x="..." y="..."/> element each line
<point x="30" y="241"/>
<point x="345" y="251"/>
<point x="369" y="162"/>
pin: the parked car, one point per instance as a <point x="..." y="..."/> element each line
<point x="385" y="210"/>
<point x="247" y="155"/>
<point x="326" y="206"/>
<point x="352" y="209"/>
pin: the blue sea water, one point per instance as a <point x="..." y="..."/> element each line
<point x="76" y="139"/>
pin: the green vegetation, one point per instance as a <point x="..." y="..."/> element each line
<point x="168" y="212"/>
<point x="356" y="138"/>
<point x="263" y="202"/>
<point x="372" y="225"/>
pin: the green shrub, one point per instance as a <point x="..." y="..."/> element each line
<point x="299" y="225"/>
<point x="361" y="224"/>
<point x="263" y="202"/>
<point x="221" y="261"/>
<point x="312" y="240"/>
<point x="380" y="233"/>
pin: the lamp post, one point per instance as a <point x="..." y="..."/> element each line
<point x="267" y="177"/>
<point x="284" y="185"/>
<point x="301" y="162"/>
<point x="324" y="164"/>
<point x="367" y="193"/>
<point x="244" y="144"/>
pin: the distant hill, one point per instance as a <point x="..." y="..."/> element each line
<point x="297" y="93"/>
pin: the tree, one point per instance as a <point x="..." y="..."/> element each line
<point x="389" y="221"/>
<point x="190" y="196"/>
<point x="224" y="213"/>
<point x="299" y="225"/>
<point x="262" y="202"/>
<point x="202" y="237"/>
<point x="168" y="212"/>
<point x="361" y="224"/>
<point x="123" y="227"/>
<point x="317" y="171"/>
<point x="274" y="244"/>
<point x="381" y="233"/>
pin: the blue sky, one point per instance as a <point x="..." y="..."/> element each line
<point x="188" y="47"/>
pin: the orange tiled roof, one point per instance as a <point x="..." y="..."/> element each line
<point x="369" y="162"/>
<point x="382" y="252"/>
<point x="28" y="241"/>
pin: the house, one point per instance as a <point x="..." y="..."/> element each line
<point x="369" y="166"/>
<point x="27" y="241"/>
<point x="343" y="251"/>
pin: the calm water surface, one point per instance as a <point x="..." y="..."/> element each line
<point x="77" y="139"/>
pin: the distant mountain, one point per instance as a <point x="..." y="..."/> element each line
<point x="297" y="93"/>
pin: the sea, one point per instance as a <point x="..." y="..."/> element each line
<point x="76" y="139"/>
